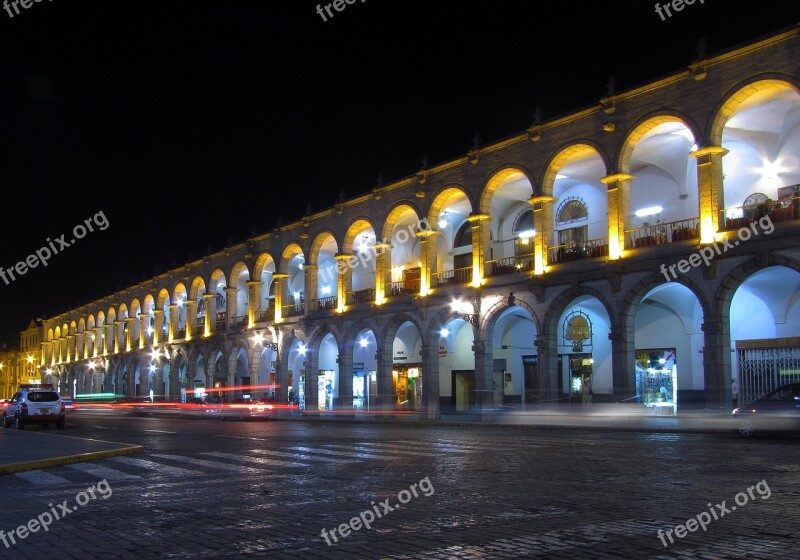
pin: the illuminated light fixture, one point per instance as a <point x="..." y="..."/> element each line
<point x="326" y="290"/>
<point x="48" y="371"/>
<point x="643" y="212"/>
<point x="296" y="295"/>
<point x="560" y="176"/>
<point x="152" y="369"/>
<point x="770" y="171"/>
<point x="527" y="234"/>
<point x="30" y="359"/>
<point x="258" y="338"/>
<point x="149" y="331"/>
<point x="300" y="266"/>
<point x="445" y="333"/>
<point x="419" y="263"/>
<point x="92" y="365"/>
<point x="443" y="220"/>
<point x="364" y="342"/>
<point x="302" y="349"/>
<point x="92" y="337"/>
<point x="155" y="354"/>
<point x="662" y="361"/>
<point x="694" y="147"/>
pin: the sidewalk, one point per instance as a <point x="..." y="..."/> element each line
<point x="23" y="450"/>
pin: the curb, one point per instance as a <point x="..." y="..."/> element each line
<point x="68" y="459"/>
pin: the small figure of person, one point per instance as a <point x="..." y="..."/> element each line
<point x="735" y="392"/>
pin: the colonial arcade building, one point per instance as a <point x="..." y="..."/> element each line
<point x="533" y="270"/>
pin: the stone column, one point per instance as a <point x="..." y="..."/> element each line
<point x="232" y="297"/>
<point x="174" y="318"/>
<point x="623" y="361"/>
<point x="710" y="190"/>
<point x="311" y="287"/>
<point x="191" y="319"/>
<point x="619" y="207"/>
<point x="70" y="338"/>
<point x="80" y="347"/>
<point x="345" y="361"/>
<point x="547" y="350"/>
<point x="484" y="373"/>
<point x="110" y="339"/>
<point x="344" y="279"/>
<point x="430" y="375"/>
<point x="384" y="400"/>
<point x="118" y="332"/>
<point x="311" y="369"/>
<point x="480" y="240"/>
<point x="383" y="271"/>
<point x="144" y="324"/>
<point x="427" y="256"/>
<point x="281" y="280"/>
<point x="717" y="361"/>
<point x="211" y="315"/>
<point x="253" y="302"/>
<point x="158" y="325"/>
<point x="543" y="225"/>
<point x="98" y="342"/>
<point x="130" y="380"/>
<point x="131" y="329"/>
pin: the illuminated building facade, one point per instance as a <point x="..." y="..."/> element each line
<point x="544" y="267"/>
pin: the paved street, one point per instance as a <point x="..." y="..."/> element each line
<point x="263" y="489"/>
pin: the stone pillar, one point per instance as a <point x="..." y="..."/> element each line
<point x="174" y="318"/>
<point x="543" y="225"/>
<point x="345" y="361"/>
<point x="110" y="339"/>
<point x="430" y="375"/>
<point x="480" y="240"/>
<point x="311" y="287"/>
<point x="98" y="342"/>
<point x="232" y="297"/>
<point x="191" y="319"/>
<point x="710" y="190"/>
<point x="344" y="279"/>
<point x="384" y="400"/>
<point x="383" y="271"/>
<point x="282" y="378"/>
<point x="131" y="329"/>
<point x="619" y="207"/>
<point x="118" y="333"/>
<point x="158" y="325"/>
<point x="311" y="369"/>
<point x="130" y="380"/>
<point x="484" y="374"/>
<point x="144" y="324"/>
<point x="80" y="347"/>
<point x="717" y="362"/>
<point x="70" y="338"/>
<point x="427" y="256"/>
<point x="253" y="302"/>
<point x="211" y="315"/>
<point x="623" y="362"/>
<point x="281" y="280"/>
<point x="547" y="350"/>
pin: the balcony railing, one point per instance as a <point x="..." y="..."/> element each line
<point x="456" y="276"/>
<point x="220" y="321"/>
<point x="577" y="251"/>
<point x="266" y="315"/>
<point x="681" y="230"/>
<point x="201" y="321"/>
<point x="776" y="210"/>
<point x="294" y="309"/>
<point x="509" y="265"/>
<point x="329" y="303"/>
<point x="239" y="322"/>
<point x="410" y="287"/>
<point x="361" y="296"/>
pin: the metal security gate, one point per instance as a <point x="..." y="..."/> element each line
<point x="762" y="369"/>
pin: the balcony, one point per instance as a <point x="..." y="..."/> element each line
<point x="670" y="232"/>
<point x="220" y="321"/>
<point x="238" y="323"/>
<point x="294" y="309"/>
<point x="267" y="315"/>
<point x="403" y="287"/>
<point x="327" y="303"/>
<point x="361" y="296"/>
<point x="509" y="265"/>
<point x="449" y="277"/>
<point x="576" y="251"/>
<point x="776" y="210"/>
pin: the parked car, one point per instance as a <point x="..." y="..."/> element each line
<point x="35" y="404"/>
<point x="777" y="411"/>
<point x="70" y="404"/>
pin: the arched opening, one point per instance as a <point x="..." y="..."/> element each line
<point x="365" y="368"/>
<point x="505" y="198"/>
<point x="407" y="374"/>
<point x="328" y="380"/>
<point x="515" y="357"/>
<point x="448" y="214"/>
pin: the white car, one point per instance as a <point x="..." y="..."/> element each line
<point x="35" y="404"/>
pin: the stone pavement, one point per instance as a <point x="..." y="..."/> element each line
<point x="25" y="450"/>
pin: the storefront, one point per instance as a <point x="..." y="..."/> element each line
<point x="326" y="381"/>
<point x="657" y="380"/>
<point x="407" y="380"/>
<point x="364" y="386"/>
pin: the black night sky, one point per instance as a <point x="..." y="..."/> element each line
<point x="193" y="125"/>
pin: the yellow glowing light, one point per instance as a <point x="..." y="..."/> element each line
<point x="258" y="338"/>
<point x="30" y="359"/>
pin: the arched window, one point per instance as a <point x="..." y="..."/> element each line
<point x="464" y="235"/>
<point x="571" y="209"/>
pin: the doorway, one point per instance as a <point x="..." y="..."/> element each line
<point x="463" y="389"/>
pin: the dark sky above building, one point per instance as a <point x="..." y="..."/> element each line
<point x="192" y="125"/>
